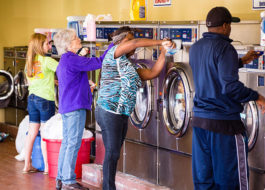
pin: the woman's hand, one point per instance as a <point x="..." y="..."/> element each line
<point x="83" y="52"/>
<point x="168" y="44"/>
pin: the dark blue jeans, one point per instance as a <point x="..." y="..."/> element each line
<point x="114" y="128"/>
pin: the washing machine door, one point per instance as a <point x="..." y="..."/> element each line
<point x="177" y="98"/>
<point x="250" y="118"/>
<point x="21" y="85"/>
<point x="6" y="85"/>
<point x="143" y="107"/>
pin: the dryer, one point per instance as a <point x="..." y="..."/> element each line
<point x="176" y="93"/>
<point x="254" y="122"/>
<point x="175" y="132"/>
<point x="140" y="145"/>
<point x="21" y="86"/>
<point x="142" y="125"/>
<point x="9" y="67"/>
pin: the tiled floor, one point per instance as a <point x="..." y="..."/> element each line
<point x="11" y="177"/>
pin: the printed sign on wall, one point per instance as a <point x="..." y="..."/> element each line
<point x="162" y="2"/>
<point x="258" y="4"/>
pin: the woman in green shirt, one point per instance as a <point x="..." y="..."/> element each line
<point x="40" y="71"/>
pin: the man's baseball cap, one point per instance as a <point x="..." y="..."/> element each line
<point x="217" y="16"/>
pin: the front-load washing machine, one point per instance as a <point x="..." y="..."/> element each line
<point x="140" y="145"/>
<point x="142" y="137"/>
<point x="142" y="125"/>
<point x="175" y="108"/>
<point x="254" y="121"/>
<point x="175" y="133"/>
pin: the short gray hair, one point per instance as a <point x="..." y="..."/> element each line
<point x="62" y="40"/>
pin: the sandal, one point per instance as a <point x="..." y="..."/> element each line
<point x="32" y="170"/>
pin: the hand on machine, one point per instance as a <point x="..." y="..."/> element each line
<point x="250" y="56"/>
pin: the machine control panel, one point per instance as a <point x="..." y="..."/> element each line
<point x="255" y="64"/>
<point x="144" y="33"/>
<point x="187" y="35"/>
<point x="102" y="33"/>
<point x="21" y="54"/>
<point x="9" y="53"/>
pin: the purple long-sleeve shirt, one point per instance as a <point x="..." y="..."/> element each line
<point x="74" y="91"/>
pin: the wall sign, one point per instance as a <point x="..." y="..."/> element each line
<point x="258" y="4"/>
<point x="163" y="2"/>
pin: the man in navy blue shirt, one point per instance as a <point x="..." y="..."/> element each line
<point x="219" y="145"/>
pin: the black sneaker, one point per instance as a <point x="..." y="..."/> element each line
<point x="74" y="186"/>
<point x="58" y="184"/>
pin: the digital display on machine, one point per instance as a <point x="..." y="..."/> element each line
<point x="260" y="81"/>
<point x="144" y="33"/>
<point x="184" y="34"/>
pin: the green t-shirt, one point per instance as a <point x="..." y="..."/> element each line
<point x="42" y="82"/>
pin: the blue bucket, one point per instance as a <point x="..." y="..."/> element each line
<point x="36" y="156"/>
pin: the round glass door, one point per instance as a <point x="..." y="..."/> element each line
<point x="176" y="92"/>
<point x="143" y="106"/>
<point x="21" y="87"/>
<point x="6" y="85"/>
<point x="249" y="117"/>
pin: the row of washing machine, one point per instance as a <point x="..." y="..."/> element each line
<point x="158" y="144"/>
<point x="13" y="86"/>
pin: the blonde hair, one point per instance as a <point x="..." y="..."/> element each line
<point x="35" y="47"/>
<point x="62" y="40"/>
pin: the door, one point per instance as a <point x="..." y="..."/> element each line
<point x="177" y="101"/>
<point x="250" y="118"/>
<point x="143" y="107"/>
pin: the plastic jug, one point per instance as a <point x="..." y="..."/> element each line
<point x="89" y="28"/>
<point x="137" y="10"/>
<point x="262" y="29"/>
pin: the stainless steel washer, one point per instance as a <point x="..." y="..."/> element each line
<point x="254" y="122"/>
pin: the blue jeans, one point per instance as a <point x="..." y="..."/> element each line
<point x="114" y="128"/>
<point x="40" y="110"/>
<point x="73" y="127"/>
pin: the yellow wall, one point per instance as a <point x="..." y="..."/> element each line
<point x="20" y="17"/>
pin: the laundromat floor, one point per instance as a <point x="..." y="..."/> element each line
<point x="11" y="176"/>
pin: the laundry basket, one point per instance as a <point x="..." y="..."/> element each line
<point x="53" y="149"/>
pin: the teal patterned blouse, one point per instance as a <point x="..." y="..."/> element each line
<point x="118" y="85"/>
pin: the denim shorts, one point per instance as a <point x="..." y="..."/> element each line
<point x="40" y="110"/>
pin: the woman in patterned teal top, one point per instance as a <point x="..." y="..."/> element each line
<point x="120" y="80"/>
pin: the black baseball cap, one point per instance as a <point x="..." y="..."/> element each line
<point x="217" y="16"/>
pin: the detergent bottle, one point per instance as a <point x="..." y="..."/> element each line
<point x="89" y="28"/>
<point x="138" y="10"/>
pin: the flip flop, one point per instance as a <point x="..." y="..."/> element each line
<point x="33" y="170"/>
<point x="45" y="173"/>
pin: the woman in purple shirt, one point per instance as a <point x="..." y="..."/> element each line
<point x="74" y="99"/>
